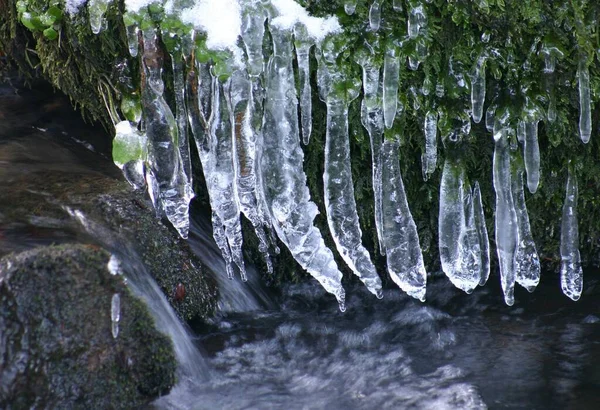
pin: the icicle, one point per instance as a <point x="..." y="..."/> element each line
<point x="253" y="31"/>
<point x="115" y="314"/>
<point x="571" y="274"/>
<point x="484" y="242"/>
<point x="478" y="89"/>
<point x="531" y="154"/>
<point x="303" y="57"/>
<point x="375" y="15"/>
<point x="527" y="262"/>
<point x="460" y="251"/>
<point x="244" y="148"/>
<point x="372" y="120"/>
<point x="507" y="235"/>
<point x="283" y="179"/>
<point x="164" y="159"/>
<point x="429" y="158"/>
<point x="391" y="76"/>
<point x="340" y="204"/>
<point x="350" y="7"/>
<point x="404" y="256"/>
<point x="218" y="167"/>
<point x="416" y="20"/>
<point x="96" y="11"/>
<point x="585" y="110"/>
<point x="181" y="111"/>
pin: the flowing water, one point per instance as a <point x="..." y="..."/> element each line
<point x="294" y="349"/>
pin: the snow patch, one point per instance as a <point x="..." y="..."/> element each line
<point x="220" y="19"/>
<point x="291" y="13"/>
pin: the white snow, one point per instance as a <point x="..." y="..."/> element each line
<point x="291" y="13"/>
<point x="134" y="5"/>
<point x="73" y="6"/>
<point x="221" y="20"/>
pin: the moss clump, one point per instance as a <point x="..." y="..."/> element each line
<point x="55" y="312"/>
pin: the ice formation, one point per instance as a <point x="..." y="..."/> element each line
<point x="337" y="178"/>
<point x="115" y="314"/>
<point x="242" y="88"/>
<point x="460" y="250"/>
<point x="571" y="274"/>
<point x="401" y="240"/>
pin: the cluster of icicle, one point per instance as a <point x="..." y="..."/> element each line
<point x="248" y="133"/>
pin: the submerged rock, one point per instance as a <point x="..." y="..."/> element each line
<point x="56" y="345"/>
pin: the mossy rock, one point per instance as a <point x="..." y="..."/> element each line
<point x="55" y="326"/>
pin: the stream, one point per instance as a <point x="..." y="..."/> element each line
<point x="292" y="348"/>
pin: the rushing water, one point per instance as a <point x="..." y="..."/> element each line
<point x="295" y="350"/>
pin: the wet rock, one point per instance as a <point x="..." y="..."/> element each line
<point x="56" y="345"/>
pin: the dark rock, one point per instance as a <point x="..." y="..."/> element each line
<point x="56" y="345"/>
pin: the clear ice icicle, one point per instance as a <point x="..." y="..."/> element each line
<point x="527" y="261"/>
<point x="181" y="111"/>
<point x="303" y="57"/>
<point x="350" y="7"/>
<point x="404" y="256"/>
<point x="585" y="108"/>
<point x="531" y="154"/>
<point x="478" y="89"/>
<point x="253" y="30"/>
<point x="164" y="159"/>
<point x="375" y="15"/>
<point x="484" y="242"/>
<point x="115" y="314"/>
<point x="244" y="146"/>
<point x="571" y="274"/>
<point x="372" y="120"/>
<point x="391" y="76"/>
<point x="340" y="204"/>
<point x="416" y="19"/>
<point x="282" y="177"/>
<point x="429" y="157"/>
<point x="507" y="235"/>
<point x="460" y="252"/>
<point x="96" y="11"/>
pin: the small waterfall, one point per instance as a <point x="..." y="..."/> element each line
<point x="191" y="363"/>
<point x="234" y="295"/>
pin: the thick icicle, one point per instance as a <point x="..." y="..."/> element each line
<point x="340" y="204"/>
<point x="478" y="89"/>
<point x="283" y="179"/>
<point x="585" y="105"/>
<point x="571" y="274"/>
<point x="531" y="153"/>
<point x="404" y="256"/>
<point x="375" y="15"/>
<point x="429" y="157"/>
<point x="391" y="76"/>
<point x="244" y="146"/>
<point x="115" y="314"/>
<point x="527" y="262"/>
<point x="181" y="111"/>
<point x="164" y="159"/>
<point x="350" y="7"/>
<point x="507" y="235"/>
<point x="96" y="11"/>
<point x="372" y="120"/>
<point x="218" y="167"/>
<point x="303" y="57"/>
<point x="484" y="242"/>
<point x="460" y="251"/>
<point x="416" y="19"/>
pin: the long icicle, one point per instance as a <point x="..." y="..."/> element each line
<point x="484" y="242"/>
<point x="527" y="261"/>
<point x="165" y="163"/>
<point x="507" y="234"/>
<point x="404" y="256"/>
<point x="283" y="179"/>
<point x="372" y="120"/>
<point x="342" y="216"/>
<point x="571" y="274"/>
